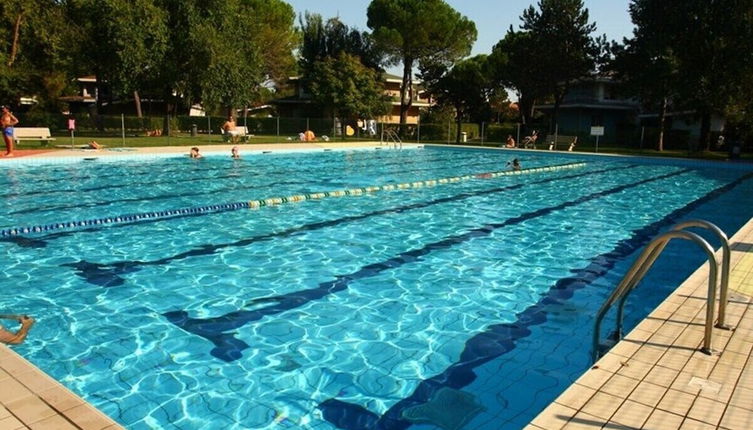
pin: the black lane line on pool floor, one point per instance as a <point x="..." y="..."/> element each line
<point x="499" y="339"/>
<point x="234" y="188"/>
<point x="108" y="275"/>
<point x="219" y="330"/>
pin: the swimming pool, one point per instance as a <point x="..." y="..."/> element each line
<point x="468" y="304"/>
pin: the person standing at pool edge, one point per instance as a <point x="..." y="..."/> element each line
<point x="20" y="335"/>
<point x="7" y="120"/>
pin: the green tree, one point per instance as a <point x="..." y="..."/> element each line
<point x="122" y="42"/>
<point x="35" y="55"/>
<point x="413" y="32"/>
<point x="711" y="43"/>
<point x="466" y="88"/>
<point x="561" y="34"/>
<point x="347" y="88"/>
<point x="645" y="64"/>
<point x="331" y="38"/>
<point x="274" y="35"/>
<point x="513" y="64"/>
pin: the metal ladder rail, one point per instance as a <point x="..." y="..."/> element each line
<point x="723" y="288"/>
<point x="392" y="135"/>
<point x="641" y="266"/>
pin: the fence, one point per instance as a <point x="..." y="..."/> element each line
<point x="281" y="129"/>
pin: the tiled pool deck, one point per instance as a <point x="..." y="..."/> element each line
<point x="654" y="379"/>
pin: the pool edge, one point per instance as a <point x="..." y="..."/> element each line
<point x="657" y="376"/>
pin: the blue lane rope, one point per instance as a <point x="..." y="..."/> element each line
<point x="272" y="201"/>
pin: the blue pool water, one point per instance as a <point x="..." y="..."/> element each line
<point x="466" y="305"/>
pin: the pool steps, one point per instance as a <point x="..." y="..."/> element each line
<point x="273" y="201"/>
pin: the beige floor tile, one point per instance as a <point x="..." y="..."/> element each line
<point x="742" y="398"/>
<point x="676" y="358"/>
<point x="620" y="386"/>
<point x="733" y="359"/>
<point x="663" y="376"/>
<point x="30" y="409"/>
<point x="676" y="402"/>
<point x="35" y="380"/>
<point x="11" y="423"/>
<point x="737" y="419"/>
<point x="634" y="369"/>
<point x="610" y="363"/>
<point x="594" y="378"/>
<point x="649" y="353"/>
<point x="584" y="421"/>
<point x="13" y="390"/>
<point x="625" y="349"/>
<point x="648" y="394"/>
<point x="55" y="422"/>
<point x="683" y="383"/>
<point x="4" y="412"/>
<point x="691" y="424"/>
<point x="663" y="420"/>
<point x="60" y="398"/>
<point x="575" y="396"/>
<point x="3" y="375"/>
<point x="707" y="410"/>
<point x="88" y="418"/>
<point x="554" y="417"/>
<point x="632" y="414"/>
<point x="602" y="405"/>
<point x="14" y="364"/>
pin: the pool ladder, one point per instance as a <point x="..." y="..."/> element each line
<point x="643" y="264"/>
<point x="391" y="135"/>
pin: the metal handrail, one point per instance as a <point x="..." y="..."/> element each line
<point x="639" y="269"/>
<point x="725" y="272"/>
<point x="393" y="136"/>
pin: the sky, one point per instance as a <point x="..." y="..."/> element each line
<point x="492" y="17"/>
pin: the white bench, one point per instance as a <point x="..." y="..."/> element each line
<point x="32" y="133"/>
<point x="240" y="133"/>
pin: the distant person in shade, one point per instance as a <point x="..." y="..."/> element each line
<point x="195" y="153"/>
<point x="7" y="120"/>
<point x="514" y="164"/>
<point x="510" y="143"/>
<point x="235" y="153"/>
<point x="18" y="337"/>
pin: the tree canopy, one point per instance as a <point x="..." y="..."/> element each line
<point x="413" y="32"/>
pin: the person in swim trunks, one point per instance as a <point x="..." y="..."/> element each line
<point x="7" y="121"/>
<point x="20" y="335"/>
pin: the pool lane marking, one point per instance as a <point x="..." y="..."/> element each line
<point x="220" y="330"/>
<point x="274" y="201"/>
<point x="499" y="339"/>
<point x="107" y="275"/>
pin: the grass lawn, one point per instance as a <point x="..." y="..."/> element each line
<point x="144" y="141"/>
<point x="112" y="141"/>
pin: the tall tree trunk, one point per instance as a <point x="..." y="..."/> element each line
<point x="458" y="123"/>
<point x="705" y="138"/>
<point x="558" y="98"/>
<point x="662" y="124"/>
<point x="406" y="93"/>
<point x="168" y="111"/>
<point x="98" y="98"/>
<point x="137" y="102"/>
<point x="16" y="34"/>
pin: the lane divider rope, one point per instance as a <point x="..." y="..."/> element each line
<point x="273" y="201"/>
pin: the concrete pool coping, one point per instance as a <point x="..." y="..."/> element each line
<point x="657" y="377"/>
<point x="654" y="378"/>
